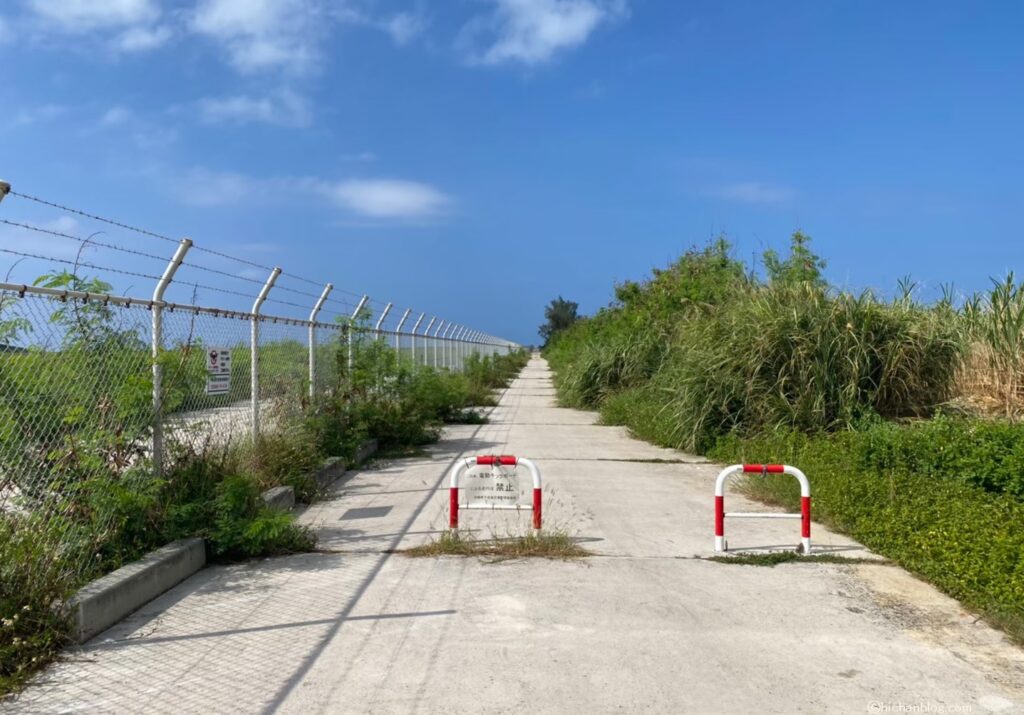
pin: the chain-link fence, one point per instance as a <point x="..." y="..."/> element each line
<point x="97" y="389"/>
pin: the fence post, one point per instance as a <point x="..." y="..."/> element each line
<point x="437" y="342"/>
<point x="412" y="337"/>
<point x="380" y="320"/>
<point x="398" y="332"/>
<point x="158" y="335"/>
<point x="312" y="338"/>
<point x="254" y="380"/>
<point x="461" y="360"/>
<point x="426" y="339"/>
<point x="351" y="330"/>
<point x="446" y="344"/>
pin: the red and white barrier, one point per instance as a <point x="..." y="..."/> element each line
<point x="504" y="460"/>
<point x="805" y="501"/>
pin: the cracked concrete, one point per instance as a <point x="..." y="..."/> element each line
<point x="646" y="626"/>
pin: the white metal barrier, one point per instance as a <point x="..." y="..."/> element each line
<point x="503" y="460"/>
<point x="763" y="469"/>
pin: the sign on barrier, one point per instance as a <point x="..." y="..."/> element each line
<point x="763" y="469"/>
<point x="491" y="482"/>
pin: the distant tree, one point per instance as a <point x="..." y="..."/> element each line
<point x="801" y="266"/>
<point x="560" y="314"/>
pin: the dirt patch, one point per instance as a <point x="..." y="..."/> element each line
<point x="920" y="609"/>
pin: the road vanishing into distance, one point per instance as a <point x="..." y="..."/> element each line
<point x="645" y="624"/>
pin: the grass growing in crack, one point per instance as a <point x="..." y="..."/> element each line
<point x="546" y="545"/>
<point x="775" y="558"/>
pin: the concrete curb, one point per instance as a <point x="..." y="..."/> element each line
<point x="279" y="498"/>
<point x="334" y="468"/>
<point x="107" y="600"/>
<point x="366" y="450"/>
<point x="329" y="471"/>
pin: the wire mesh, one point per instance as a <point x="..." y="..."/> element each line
<point x="81" y="428"/>
<point x="75" y="417"/>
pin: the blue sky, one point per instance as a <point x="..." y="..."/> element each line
<point x="476" y="158"/>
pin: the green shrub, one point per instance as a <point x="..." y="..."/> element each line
<point x="940" y="525"/>
<point x="243" y="526"/>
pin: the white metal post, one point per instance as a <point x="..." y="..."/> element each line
<point x="380" y="320"/>
<point x="461" y="359"/>
<point x="158" y="335"/>
<point x="412" y="337"/>
<point x="398" y="332"/>
<point x="437" y="342"/>
<point x="426" y="340"/>
<point x="351" y="329"/>
<point x="312" y="338"/>
<point x="254" y="398"/>
<point x="456" y="345"/>
<point x="445" y="346"/>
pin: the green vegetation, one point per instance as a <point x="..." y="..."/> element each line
<point x="902" y="413"/>
<point x="545" y="545"/>
<point x="774" y="558"/>
<point x="80" y="494"/>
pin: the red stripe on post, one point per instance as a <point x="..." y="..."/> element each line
<point x="485" y="460"/>
<point x="719" y="516"/>
<point x="507" y="459"/>
<point x="805" y="516"/>
<point x="762" y="468"/>
<point x="453" y="508"/>
<point x="536" y="508"/>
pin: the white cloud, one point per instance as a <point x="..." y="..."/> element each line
<point x="202" y="187"/>
<point x="116" y="116"/>
<point x="261" y="35"/>
<point x="533" y="31"/>
<point x="284" y="108"/>
<point x="387" y="198"/>
<point x="145" y="134"/>
<point x="404" y="26"/>
<point x="20" y="239"/>
<point x="755" y="192"/>
<point x="378" y="199"/>
<point x="86" y="15"/>
<point x="29" y="116"/>
<point x="142" y="39"/>
<point x="124" y="25"/>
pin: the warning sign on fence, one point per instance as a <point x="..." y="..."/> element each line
<point x="218" y="371"/>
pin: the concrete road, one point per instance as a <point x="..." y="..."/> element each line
<point x="645" y="625"/>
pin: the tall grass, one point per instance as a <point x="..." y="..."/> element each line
<point x="752" y="354"/>
<point x="993" y="377"/>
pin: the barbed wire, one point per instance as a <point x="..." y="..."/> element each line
<point x="84" y="264"/>
<point x="163" y="259"/>
<point x="201" y="249"/>
<point x="94" y="217"/>
<point x="87" y="241"/>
